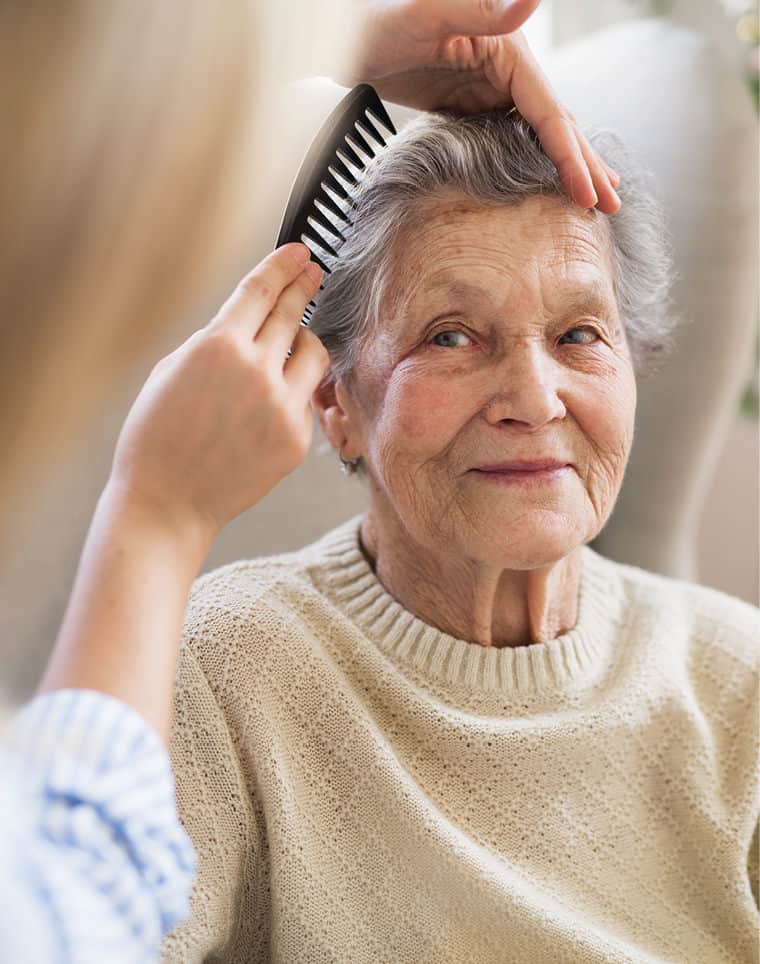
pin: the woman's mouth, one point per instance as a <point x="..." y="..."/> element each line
<point x="536" y="472"/>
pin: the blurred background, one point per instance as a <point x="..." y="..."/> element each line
<point x="679" y="82"/>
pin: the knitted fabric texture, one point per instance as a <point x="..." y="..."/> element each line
<point x="362" y="787"/>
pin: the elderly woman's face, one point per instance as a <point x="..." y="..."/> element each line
<point x="506" y="345"/>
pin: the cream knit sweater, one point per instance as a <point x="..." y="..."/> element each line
<point x="362" y="787"/>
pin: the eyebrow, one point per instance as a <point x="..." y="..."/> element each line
<point x="459" y="289"/>
<point x="593" y="296"/>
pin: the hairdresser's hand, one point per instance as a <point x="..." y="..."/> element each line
<point x="216" y="426"/>
<point x="469" y="56"/>
<point x="224" y="417"/>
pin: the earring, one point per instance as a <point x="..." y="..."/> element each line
<point x="348" y="466"/>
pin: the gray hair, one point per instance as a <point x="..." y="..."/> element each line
<point x="493" y="159"/>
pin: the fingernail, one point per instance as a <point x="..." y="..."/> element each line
<point x="313" y="270"/>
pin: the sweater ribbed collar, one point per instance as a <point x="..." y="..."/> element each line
<point x="577" y="656"/>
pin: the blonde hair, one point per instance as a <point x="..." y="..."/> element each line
<point x="127" y="128"/>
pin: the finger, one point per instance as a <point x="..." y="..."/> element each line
<point x="281" y="327"/>
<point x="557" y="135"/>
<point x="612" y="174"/>
<point x="608" y="201"/>
<point x="309" y="362"/>
<point x="555" y="127"/>
<point x="476" y="19"/>
<point x="253" y="299"/>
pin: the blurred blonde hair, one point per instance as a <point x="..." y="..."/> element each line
<point x="127" y="127"/>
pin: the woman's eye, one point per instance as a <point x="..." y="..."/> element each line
<point x="448" y="333"/>
<point x="580" y="332"/>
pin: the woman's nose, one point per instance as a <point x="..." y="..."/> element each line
<point x="527" y="388"/>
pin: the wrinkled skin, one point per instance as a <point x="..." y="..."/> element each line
<point x="534" y="363"/>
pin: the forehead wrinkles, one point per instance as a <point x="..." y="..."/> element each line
<point x="539" y="233"/>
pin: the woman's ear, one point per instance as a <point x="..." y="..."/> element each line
<point x="333" y="408"/>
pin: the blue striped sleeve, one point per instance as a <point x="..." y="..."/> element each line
<point x="107" y="863"/>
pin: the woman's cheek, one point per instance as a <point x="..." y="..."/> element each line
<point x="620" y="404"/>
<point x="606" y="413"/>
<point x="425" y="412"/>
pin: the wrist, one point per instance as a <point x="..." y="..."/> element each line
<point x="185" y="533"/>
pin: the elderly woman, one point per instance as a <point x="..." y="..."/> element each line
<point x="449" y="731"/>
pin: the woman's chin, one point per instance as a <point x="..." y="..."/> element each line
<point x="526" y="543"/>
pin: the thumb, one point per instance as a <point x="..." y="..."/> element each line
<point x="480" y="18"/>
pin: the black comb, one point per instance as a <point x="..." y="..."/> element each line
<point x="320" y="202"/>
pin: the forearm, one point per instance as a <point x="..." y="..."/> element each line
<point x="120" y="634"/>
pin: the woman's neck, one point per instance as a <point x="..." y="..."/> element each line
<point x="478" y="602"/>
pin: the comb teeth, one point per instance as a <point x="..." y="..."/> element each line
<point x="381" y="118"/>
<point x="351" y="154"/>
<point x="344" y="203"/>
<point x="368" y="125"/>
<point x="356" y="135"/>
<point x="321" y="200"/>
<point x="326" y="201"/>
<point x="345" y="172"/>
<point x="335" y="184"/>
<point x="321" y="240"/>
<point x="324" y="223"/>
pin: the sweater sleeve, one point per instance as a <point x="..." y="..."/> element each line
<point x="216" y="813"/>
<point x="99" y="866"/>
